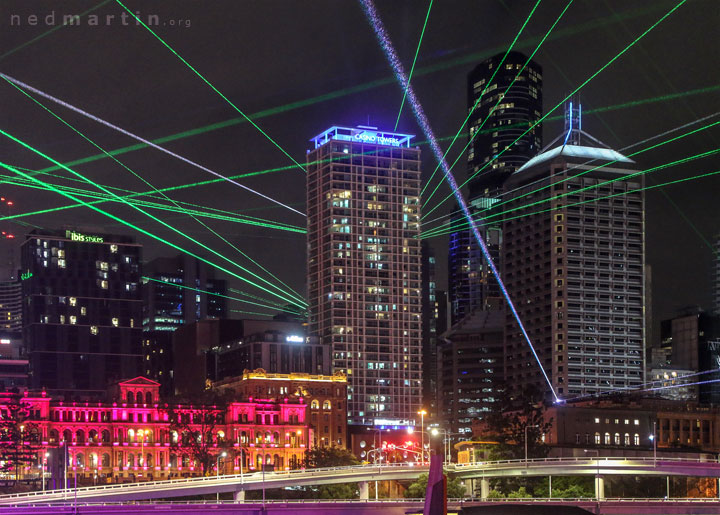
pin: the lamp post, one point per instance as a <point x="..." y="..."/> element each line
<point x="422" y="414"/>
<point x="45" y="464"/>
<point x="436" y="431"/>
<point x="222" y="455"/>
<point x="526" y="443"/>
<point x="653" y="437"/>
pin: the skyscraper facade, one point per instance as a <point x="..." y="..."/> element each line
<point x="497" y="119"/>
<point x="82" y="309"/>
<point x="364" y="268"/>
<point x="573" y="263"/>
<point x="11" y="306"/>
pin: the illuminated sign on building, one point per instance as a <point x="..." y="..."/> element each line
<point x="25" y="275"/>
<point x="4" y="340"/>
<point x="293" y="338"/>
<point x="87" y="238"/>
<point x="363" y="134"/>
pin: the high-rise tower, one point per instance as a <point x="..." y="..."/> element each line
<point x="497" y="120"/>
<point x="573" y="262"/>
<point x="82" y="310"/>
<point x="364" y="264"/>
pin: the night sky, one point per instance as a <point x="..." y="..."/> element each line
<point x="268" y="54"/>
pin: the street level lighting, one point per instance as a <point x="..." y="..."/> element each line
<point x="218" y="470"/>
<point x="653" y="437"/>
<point x="422" y="414"/>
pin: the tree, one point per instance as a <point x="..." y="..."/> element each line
<point x="416" y="490"/>
<point x="514" y="418"/>
<point x="321" y="457"/>
<point x="194" y="429"/>
<point x="19" y="437"/>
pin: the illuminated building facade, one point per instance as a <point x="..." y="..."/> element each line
<point x="82" y="310"/>
<point x="574" y="267"/>
<point x="11" y="306"/>
<point x="271" y="350"/>
<point x="470" y="364"/>
<point x="130" y="437"/>
<point x="364" y="267"/>
<point x="176" y="291"/>
<point x="504" y="118"/>
<point x="324" y="395"/>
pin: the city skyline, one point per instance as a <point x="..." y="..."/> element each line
<point x="159" y="95"/>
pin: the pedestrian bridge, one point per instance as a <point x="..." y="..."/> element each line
<point x="238" y="484"/>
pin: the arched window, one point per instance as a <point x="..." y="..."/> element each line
<point x="617" y="438"/>
<point x="131" y="460"/>
<point x="636" y="439"/>
<point x="607" y="438"/>
<point x="67" y="436"/>
<point x="93" y="460"/>
<point x="276" y="437"/>
<point x="173" y="460"/>
<point x="326" y="405"/>
<point x="148" y="398"/>
<point x="139" y="398"/>
<point x="267" y="437"/>
<point x="220" y="436"/>
<point x="80" y="460"/>
<point x="627" y="438"/>
<point x="54" y="436"/>
<point x="80" y="436"/>
<point x="130" y="435"/>
<point x="129" y="397"/>
<point x="315" y="404"/>
<point x="105" y="435"/>
<point x="105" y="460"/>
<point x="259" y="460"/>
<point x="92" y="436"/>
<point x="243" y="437"/>
<point x="148" y="460"/>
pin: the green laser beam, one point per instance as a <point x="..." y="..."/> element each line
<point x="48" y="32"/>
<point x="250" y="313"/>
<point x="153" y="205"/>
<point x="245" y="279"/>
<point x="684" y="160"/>
<point x="603" y="165"/>
<point x="275" y="304"/>
<point x="610" y="62"/>
<point x="589" y="201"/>
<point x="211" y="86"/>
<point x="385" y="81"/>
<point x="487" y="85"/>
<point x="412" y="68"/>
<point x="199" y="290"/>
<point x="497" y="103"/>
<point x="138" y="176"/>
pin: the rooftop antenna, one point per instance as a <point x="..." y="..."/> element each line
<point x="573" y="127"/>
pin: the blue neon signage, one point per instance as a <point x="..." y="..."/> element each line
<point x="376" y="138"/>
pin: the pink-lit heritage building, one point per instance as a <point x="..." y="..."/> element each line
<point x="130" y="437"/>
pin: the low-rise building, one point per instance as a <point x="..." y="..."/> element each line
<point x="324" y="395"/>
<point x="131" y="436"/>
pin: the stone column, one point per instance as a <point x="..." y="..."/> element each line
<point x="599" y="488"/>
<point x="484" y="488"/>
<point x="364" y="490"/>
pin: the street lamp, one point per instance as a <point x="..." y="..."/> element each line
<point x="653" y="438"/>
<point x="436" y="431"/>
<point x="222" y="455"/>
<point x="422" y="414"/>
<point x="47" y="455"/>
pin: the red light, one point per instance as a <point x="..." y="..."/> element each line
<point x="10" y="203"/>
<point x="2" y="199"/>
<point x="11" y="235"/>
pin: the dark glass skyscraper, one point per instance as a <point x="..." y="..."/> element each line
<point x="498" y="119"/>
<point x="82" y="309"/>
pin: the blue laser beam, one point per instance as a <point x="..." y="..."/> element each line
<point x="399" y="72"/>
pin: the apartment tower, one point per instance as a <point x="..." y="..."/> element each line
<point x="364" y="268"/>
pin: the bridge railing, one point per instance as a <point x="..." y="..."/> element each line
<point x="578" y="459"/>
<point x="227" y="478"/>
